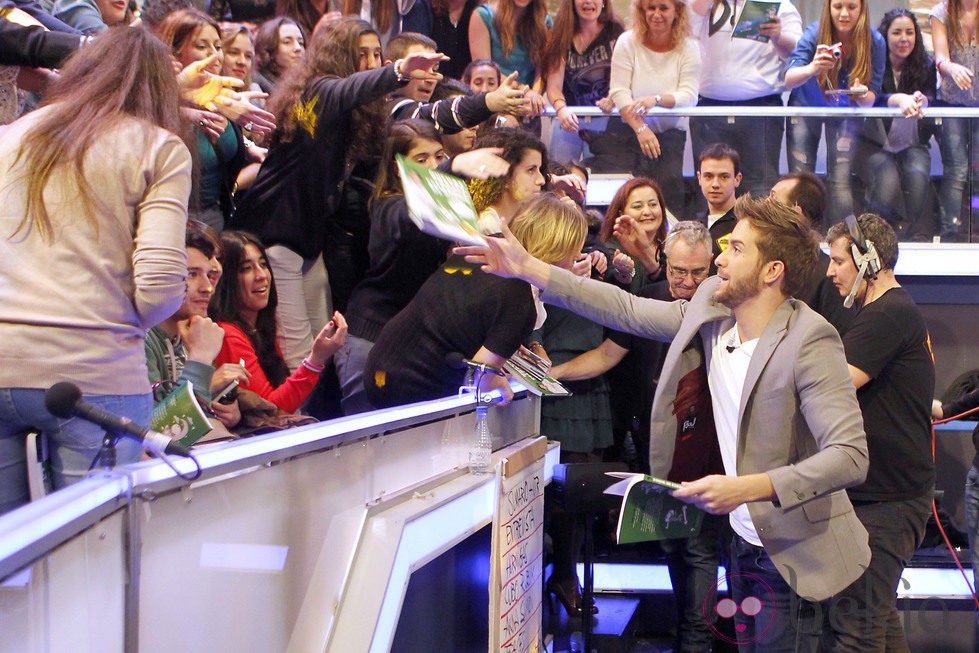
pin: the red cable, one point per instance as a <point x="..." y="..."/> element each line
<point x="934" y="506"/>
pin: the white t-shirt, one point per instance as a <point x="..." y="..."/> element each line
<point x="726" y="376"/>
<point x="739" y="68"/>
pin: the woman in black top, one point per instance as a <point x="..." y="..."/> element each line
<point x="329" y="111"/>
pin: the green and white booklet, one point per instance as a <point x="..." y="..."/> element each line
<point x="181" y="417"/>
<point x="439" y="203"/>
<point x="649" y="512"/>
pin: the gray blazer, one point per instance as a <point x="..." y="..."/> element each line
<point x="799" y="421"/>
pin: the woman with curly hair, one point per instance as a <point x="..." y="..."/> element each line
<point x="656" y="64"/>
<point x="279" y="45"/>
<point x="496" y="199"/>
<point x="329" y="111"/>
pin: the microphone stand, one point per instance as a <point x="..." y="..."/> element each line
<point x="107" y="453"/>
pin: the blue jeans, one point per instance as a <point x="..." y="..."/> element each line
<point x="769" y="616"/>
<point x="73" y="443"/>
<point x="898" y="184"/>
<point x="693" y="566"/>
<point x="350" y="360"/>
<point x="566" y="147"/>
<point x="958" y="157"/>
<point x="972" y="517"/>
<point x="864" y="616"/>
<point x="757" y="140"/>
<point x="802" y="143"/>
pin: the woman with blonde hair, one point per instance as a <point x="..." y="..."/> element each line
<point x="94" y="190"/>
<point x="462" y="310"/>
<point x="656" y="65"/>
<point x="838" y="62"/>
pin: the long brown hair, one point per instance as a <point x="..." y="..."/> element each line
<point x="562" y="32"/>
<point x="681" y="24"/>
<point x="382" y="12"/>
<point x="954" y="24"/>
<point x="230" y="32"/>
<point x="402" y="136"/>
<point x="531" y="27"/>
<point x="267" y="44"/>
<point x="617" y="206"/>
<point x="302" y="12"/>
<point x="859" y="55"/>
<point x="334" y="50"/>
<point x="180" y="27"/>
<point x="124" y="72"/>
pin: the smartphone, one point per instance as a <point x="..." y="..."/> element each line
<point x="228" y="394"/>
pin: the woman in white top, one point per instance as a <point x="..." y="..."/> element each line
<point x="656" y="65"/>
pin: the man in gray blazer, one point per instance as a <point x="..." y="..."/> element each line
<point x="788" y="424"/>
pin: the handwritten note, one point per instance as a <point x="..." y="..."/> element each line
<point x="519" y="527"/>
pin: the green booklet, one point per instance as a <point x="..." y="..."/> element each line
<point x="753" y="16"/>
<point x="532" y="372"/>
<point x="439" y="204"/>
<point x="650" y="512"/>
<point x="181" y="417"/>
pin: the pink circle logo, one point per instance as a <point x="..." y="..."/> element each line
<point x="751" y="608"/>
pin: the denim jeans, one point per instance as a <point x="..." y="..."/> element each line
<point x="958" y="156"/>
<point x="73" y="443"/>
<point x="972" y="517"/>
<point x="898" y="185"/>
<point x="757" y="140"/>
<point x="566" y="147"/>
<point x="864" y="616"/>
<point x="350" y="361"/>
<point x="802" y="138"/>
<point x="693" y="566"/>
<point x="769" y="616"/>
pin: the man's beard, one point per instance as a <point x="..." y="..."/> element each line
<point x="734" y="293"/>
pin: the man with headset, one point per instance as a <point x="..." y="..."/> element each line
<point x="890" y="361"/>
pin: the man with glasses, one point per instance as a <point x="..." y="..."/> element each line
<point x="692" y="562"/>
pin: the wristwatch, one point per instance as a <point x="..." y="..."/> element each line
<point x="658" y="99"/>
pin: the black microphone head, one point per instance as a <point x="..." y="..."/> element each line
<point x="60" y="399"/>
<point x="455" y="360"/>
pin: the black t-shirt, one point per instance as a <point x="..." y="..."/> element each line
<point x="888" y="341"/>
<point x="459" y="309"/>
<point x="586" y="74"/>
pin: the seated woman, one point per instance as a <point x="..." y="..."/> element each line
<point x="634" y="230"/>
<point x="893" y="158"/>
<point x="244" y="306"/>
<point x="462" y="310"/>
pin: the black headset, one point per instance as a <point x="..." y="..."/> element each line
<point x="865" y="257"/>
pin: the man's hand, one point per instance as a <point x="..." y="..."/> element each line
<point x="719" y="494"/>
<point x="202" y="337"/>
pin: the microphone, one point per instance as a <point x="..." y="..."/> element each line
<point x="65" y="400"/>
<point x="457" y="361"/>
<point x="730" y="348"/>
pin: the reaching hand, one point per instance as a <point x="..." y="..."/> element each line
<point x="535" y="103"/>
<point x="237" y="107"/>
<point x="421" y="65"/>
<point x="481" y="164"/>
<point x="599" y="260"/>
<point x="633" y="238"/>
<point x="570" y="184"/>
<point x="508" y="97"/>
<point x="212" y="124"/>
<point x="329" y="340"/>
<point x="201" y="87"/>
<point x="623" y="266"/>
